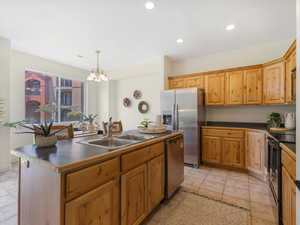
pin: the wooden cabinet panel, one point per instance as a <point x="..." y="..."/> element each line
<point x="134" y="196"/>
<point x="288" y="199"/>
<point x="289" y="163"/>
<point x="233" y="152"/>
<point x="140" y="156"/>
<point x="253" y="87"/>
<point x="234" y="88"/>
<point x="274" y="83"/>
<point x="223" y="133"/>
<point x="211" y="149"/>
<point x="100" y="206"/>
<point x="215" y="89"/>
<point x="194" y="82"/>
<point x="176" y="83"/>
<point x="84" y="180"/>
<point x="290" y="65"/>
<point x="156" y="181"/>
<point x="255" y="151"/>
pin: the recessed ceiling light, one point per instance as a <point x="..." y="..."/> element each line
<point x="79" y="56"/>
<point x="179" y="41"/>
<point x="230" y="27"/>
<point x="149" y="5"/>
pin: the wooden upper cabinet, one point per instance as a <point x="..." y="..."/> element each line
<point x="233" y="152"/>
<point x="274" y="83"/>
<point x="255" y="151"/>
<point x="156" y="181"/>
<point x="194" y="82"/>
<point x="134" y="196"/>
<point x="234" y="88"/>
<point x="215" y="89"/>
<point x="211" y="149"/>
<point x="175" y="83"/>
<point x="253" y="87"/>
<point x="290" y="65"/>
<point x="100" y="206"/>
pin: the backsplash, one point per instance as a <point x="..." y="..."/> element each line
<point x="256" y="114"/>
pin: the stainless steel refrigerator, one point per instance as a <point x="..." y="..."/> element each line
<point x="183" y="109"/>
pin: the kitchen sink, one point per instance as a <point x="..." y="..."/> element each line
<point x="133" y="137"/>
<point x="109" y="143"/>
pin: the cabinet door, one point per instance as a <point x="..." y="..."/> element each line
<point x="233" y="152"/>
<point x="211" y="149"/>
<point x="234" y="88"/>
<point x="274" y="83"/>
<point x="194" y="82"/>
<point x="255" y="151"/>
<point x="176" y="83"/>
<point x="288" y="199"/>
<point x="100" y="206"/>
<point x="253" y="87"/>
<point x="215" y="92"/>
<point x="156" y="181"/>
<point x="134" y="196"/>
<point x="290" y="65"/>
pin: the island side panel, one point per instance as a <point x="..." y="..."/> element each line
<point x="39" y="194"/>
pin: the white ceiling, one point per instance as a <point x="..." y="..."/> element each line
<point x="127" y="33"/>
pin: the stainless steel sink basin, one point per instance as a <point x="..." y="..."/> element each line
<point x="132" y="137"/>
<point x="110" y="143"/>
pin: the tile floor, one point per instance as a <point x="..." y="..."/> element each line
<point x="233" y="188"/>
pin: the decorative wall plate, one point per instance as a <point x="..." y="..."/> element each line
<point x="143" y="107"/>
<point x="137" y="94"/>
<point x="126" y="102"/>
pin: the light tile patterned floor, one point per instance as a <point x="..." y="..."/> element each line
<point x="234" y="188"/>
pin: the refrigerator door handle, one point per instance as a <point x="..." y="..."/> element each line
<point x="173" y="118"/>
<point x="177" y="117"/>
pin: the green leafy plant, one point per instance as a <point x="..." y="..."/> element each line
<point x="89" y="118"/>
<point x="146" y="122"/>
<point x="74" y="115"/>
<point x="274" y="120"/>
<point x="43" y="129"/>
<point x="49" y="108"/>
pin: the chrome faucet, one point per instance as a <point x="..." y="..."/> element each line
<point x="110" y="125"/>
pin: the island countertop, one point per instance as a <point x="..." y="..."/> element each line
<point x="71" y="153"/>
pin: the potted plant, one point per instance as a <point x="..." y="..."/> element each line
<point x="146" y="123"/>
<point x="274" y="120"/>
<point x="90" y="119"/>
<point x="43" y="135"/>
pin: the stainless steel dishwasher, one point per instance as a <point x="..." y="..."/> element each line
<point x="174" y="164"/>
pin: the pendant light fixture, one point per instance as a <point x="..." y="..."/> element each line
<point x="97" y="76"/>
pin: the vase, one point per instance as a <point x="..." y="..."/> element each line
<point x="42" y="141"/>
<point x="91" y="127"/>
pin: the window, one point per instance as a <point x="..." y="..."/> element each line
<point x="52" y="94"/>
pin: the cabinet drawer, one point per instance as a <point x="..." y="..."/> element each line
<point x="289" y="163"/>
<point x="133" y="159"/>
<point x="223" y="133"/>
<point x="84" y="180"/>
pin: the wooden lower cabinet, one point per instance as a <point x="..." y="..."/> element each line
<point x="134" y="196"/>
<point x="156" y="181"/>
<point x="142" y="189"/>
<point x="288" y="199"/>
<point x="211" y="149"/>
<point x="233" y="152"/>
<point x="255" y="151"/>
<point x="99" y="206"/>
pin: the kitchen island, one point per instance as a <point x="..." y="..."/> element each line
<point x="79" y="183"/>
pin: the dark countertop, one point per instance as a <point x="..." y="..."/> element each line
<point x="281" y="136"/>
<point x="68" y="152"/>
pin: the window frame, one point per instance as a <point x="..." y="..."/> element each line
<point x="84" y="86"/>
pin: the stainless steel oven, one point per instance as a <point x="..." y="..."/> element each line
<point x="274" y="174"/>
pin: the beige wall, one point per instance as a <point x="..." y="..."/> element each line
<point x="258" y="114"/>
<point x="4" y="94"/>
<point x="251" y="55"/>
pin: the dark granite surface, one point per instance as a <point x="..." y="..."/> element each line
<point x="71" y="151"/>
<point x="285" y="137"/>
